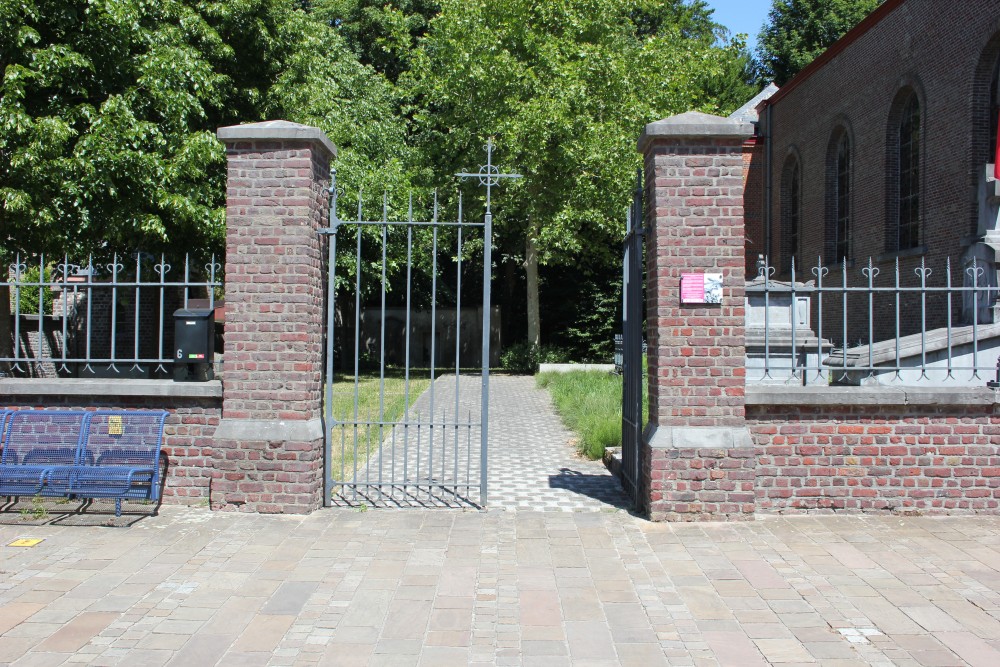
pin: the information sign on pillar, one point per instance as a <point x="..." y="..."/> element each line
<point x="698" y="455"/>
<point x="701" y="288"/>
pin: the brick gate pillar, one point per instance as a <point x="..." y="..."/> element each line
<point x="699" y="460"/>
<point x="268" y="450"/>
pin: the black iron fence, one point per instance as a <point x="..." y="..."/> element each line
<point x="920" y="324"/>
<point x="633" y="347"/>
<point x="94" y="318"/>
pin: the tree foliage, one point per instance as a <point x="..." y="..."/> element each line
<point x="382" y="33"/>
<point x="799" y="30"/>
<point x="565" y="88"/>
<point x="323" y="84"/>
<point x="108" y="113"/>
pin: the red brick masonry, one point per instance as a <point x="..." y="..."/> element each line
<point x="195" y="410"/>
<point x="942" y="458"/>
<point x="699" y="462"/>
<point x="701" y="484"/>
<point x="718" y="449"/>
<point x="837" y="449"/>
<point x="696" y="354"/>
<point x="268" y="454"/>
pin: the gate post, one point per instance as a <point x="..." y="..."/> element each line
<point x="268" y="450"/>
<point x="699" y="461"/>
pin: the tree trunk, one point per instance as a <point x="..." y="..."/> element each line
<point x="507" y="300"/>
<point x="531" y="271"/>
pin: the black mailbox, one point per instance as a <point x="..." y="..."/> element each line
<point x="194" y="344"/>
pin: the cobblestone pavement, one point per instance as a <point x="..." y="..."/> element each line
<point x="533" y="464"/>
<point x="433" y="587"/>
<point x="516" y="585"/>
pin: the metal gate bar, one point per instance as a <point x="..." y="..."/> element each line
<point x="632" y="332"/>
<point x="414" y="445"/>
<point x="417" y="443"/>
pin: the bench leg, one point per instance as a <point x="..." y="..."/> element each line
<point x="118" y="507"/>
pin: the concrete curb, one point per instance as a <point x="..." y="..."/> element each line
<point x="104" y="388"/>
<point x="837" y="396"/>
<point x="569" y="368"/>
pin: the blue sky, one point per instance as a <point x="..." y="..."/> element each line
<point x="742" y="16"/>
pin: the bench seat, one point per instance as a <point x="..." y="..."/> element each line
<point x="86" y="454"/>
<point x="41" y="448"/>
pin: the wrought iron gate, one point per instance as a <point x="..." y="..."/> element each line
<point x="632" y="334"/>
<point x="407" y="421"/>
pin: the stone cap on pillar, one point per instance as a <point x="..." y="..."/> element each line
<point x="694" y="124"/>
<point x="276" y="130"/>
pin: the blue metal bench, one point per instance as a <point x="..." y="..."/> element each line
<point x="41" y="449"/>
<point x="120" y="456"/>
<point x="102" y="454"/>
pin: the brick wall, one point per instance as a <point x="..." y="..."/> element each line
<point x="695" y="352"/>
<point x="30" y="346"/>
<point x="697" y="461"/>
<point x="945" y="52"/>
<point x="268" y="454"/>
<point x="878" y="452"/>
<point x="126" y="327"/>
<point x="95" y="336"/>
<point x="257" y="445"/>
<point x="715" y="448"/>
<point x="187" y="434"/>
<point x="276" y="193"/>
<point x="700" y="483"/>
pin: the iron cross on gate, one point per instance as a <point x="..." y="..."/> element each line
<point x="488" y="175"/>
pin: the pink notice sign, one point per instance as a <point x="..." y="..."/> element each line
<point x="701" y="288"/>
<point x="692" y="288"/>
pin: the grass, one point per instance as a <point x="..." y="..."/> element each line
<point x="36" y="511"/>
<point x="367" y="437"/>
<point x="590" y="404"/>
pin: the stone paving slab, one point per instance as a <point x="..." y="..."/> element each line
<point x="555" y="573"/>
<point x="532" y="461"/>
<point x="437" y="587"/>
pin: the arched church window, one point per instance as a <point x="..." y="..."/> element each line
<point x="791" y="212"/>
<point x="840" y="165"/>
<point x="908" y="193"/>
<point x="994" y="109"/>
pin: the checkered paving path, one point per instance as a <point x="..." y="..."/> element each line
<point x="533" y="464"/>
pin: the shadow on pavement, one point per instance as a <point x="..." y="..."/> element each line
<point x="604" y="488"/>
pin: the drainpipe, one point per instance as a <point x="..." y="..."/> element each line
<point x="768" y="184"/>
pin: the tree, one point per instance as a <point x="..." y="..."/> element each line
<point x="565" y="88"/>
<point x="382" y="33"/>
<point x="109" y="110"/>
<point x="799" y="30"/>
<point x="323" y="84"/>
<point x="738" y="80"/>
<point x="108" y="113"/>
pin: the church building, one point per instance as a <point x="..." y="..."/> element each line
<point x="879" y="158"/>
